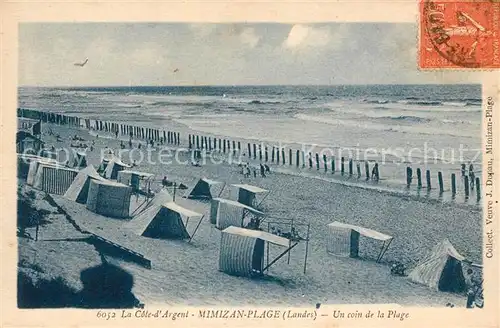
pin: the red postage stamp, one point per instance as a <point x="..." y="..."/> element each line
<point x="459" y="34"/>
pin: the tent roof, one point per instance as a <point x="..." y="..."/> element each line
<point x="250" y="188"/>
<point x="363" y="231"/>
<point x="258" y="235"/>
<point x="162" y="197"/>
<point x="91" y="172"/>
<point x="110" y="183"/>
<point x="56" y="166"/>
<point x="141" y="174"/>
<point x="446" y="247"/>
<point x="181" y="210"/>
<point x="235" y="203"/>
<point x="210" y="182"/>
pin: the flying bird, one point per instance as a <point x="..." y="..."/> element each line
<point x="82" y="64"/>
<point x="176" y="70"/>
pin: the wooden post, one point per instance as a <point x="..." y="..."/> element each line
<point x="266" y="154"/>
<point x="428" y="177"/>
<point x="297" y="158"/>
<point x="234" y="145"/>
<point x="272" y="155"/>
<point x="290" y="156"/>
<point x="178" y="138"/>
<point x="254" y="151"/>
<point x="333" y="165"/>
<point x="350" y="166"/>
<point x="453" y="184"/>
<point x="342" y="170"/>
<point x="210" y="143"/>
<point x="466" y="186"/>
<point x="358" y="168"/>
<point x="189" y="136"/>
<point x="249" y="151"/>
<point x="310" y="161"/>
<point x="283" y="156"/>
<point x="440" y="181"/>
<point x="215" y="143"/>
<point x="277" y="155"/>
<point x="260" y="152"/>
<point x="317" y="161"/>
<point x="197" y="142"/>
<point x="303" y="158"/>
<point x="409" y="176"/>
<point x="220" y="144"/>
<point x="325" y="163"/>
<point x="239" y="146"/>
<point x="224" y="146"/>
<point x="478" y="189"/>
<point x="367" y="169"/>
<point x="175" y="185"/>
<point x="419" y="178"/>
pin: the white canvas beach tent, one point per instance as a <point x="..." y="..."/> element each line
<point x="166" y="221"/>
<point x="247" y="194"/>
<point x="53" y="179"/>
<point x="343" y="239"/>
<point x="78" y="191"/>
<point x="109" y="198"/>
<point x="203" y="189"/>
<point x="242" y="251"/>
<point x="80" y="159"/>
<point x="225" y="213"/>
<point x="441" y="269"/>
<point x="113" y="167"/>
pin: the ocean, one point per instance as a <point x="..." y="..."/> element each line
<point x="390" y="118"/>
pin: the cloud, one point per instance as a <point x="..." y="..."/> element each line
<point x="307" y="36"/>
<point x="249" y="37"/>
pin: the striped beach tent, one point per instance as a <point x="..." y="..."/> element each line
<point x="78" y="191"/>
<point x="109" y="198"/>
<point x="242" y="251"/>
<point x="166" y="221"/>
<point x="247" y="194"/>
<point x="203" y="189"/>
<point x="343" y="239"/>
<point x="53" y="179"/>
<point x="441" y="269"/>
<point x="225" y="213"/>
<point x="29" y="165"/>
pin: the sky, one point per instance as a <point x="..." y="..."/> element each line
<point x="123" y="54"/>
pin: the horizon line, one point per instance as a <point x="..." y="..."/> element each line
<point x="236" y="85"/>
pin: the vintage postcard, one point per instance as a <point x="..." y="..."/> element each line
<point x="241" y="164"/>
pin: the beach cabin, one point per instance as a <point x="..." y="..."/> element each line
<point x="204" y="189"/>
<point x="29" y="125"/>
<point x="78" y="191"/>
<point x="247" y="194"/>
<point x="225" y="213"/>
<point x="53" y="179"/>
<point x="441" y="269"/>
<point x="166" y="221"/>
<point x="343" y="239"/>
<point x="242" y="251"/>
<point x="28" y="143"/>
<point x="113" y="167"/>
<point x="137" y="180"/>
<point x="109" y="198"/>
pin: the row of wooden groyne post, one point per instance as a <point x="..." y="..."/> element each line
<point x="470" y="181"/>
<point x="278" y="155"/>
<point x="132" y="131"/>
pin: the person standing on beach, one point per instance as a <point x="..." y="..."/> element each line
<point x="130" y="143"/>
<point x="116" y="134"/>
<point x="262" y="171"/>
<point x="375" y="172"/>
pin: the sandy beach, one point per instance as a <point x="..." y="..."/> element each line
<point x="187" y="273"/>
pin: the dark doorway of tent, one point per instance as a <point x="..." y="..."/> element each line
<point x="258" y="257"/>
